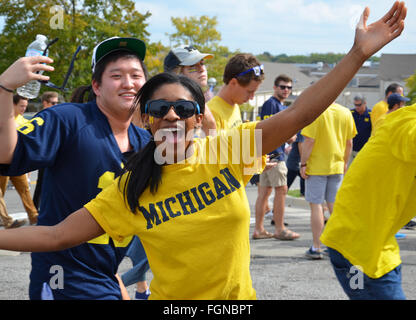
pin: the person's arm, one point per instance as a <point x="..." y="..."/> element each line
<point x="123" y="289"/>
<point x="347" y="154"/>
<point x="77" y="228"/>
<point x="307" y="147"/>
<point x="20" y="72"/>
<point x="315" y="99"/>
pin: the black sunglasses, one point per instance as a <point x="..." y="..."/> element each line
<point x="285" y="87"/>
<point x="68" y="73"/>
<point x="183" y="108"/>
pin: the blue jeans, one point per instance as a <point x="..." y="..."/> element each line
<point x="140" y="264"/>
<point x="358" y="286"/>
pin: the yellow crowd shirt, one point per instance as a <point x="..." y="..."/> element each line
<point x="378" y="110"/>
<point x="195" y="229"/>
<point x="378" y="123"/>
<point x="377" y="197"/>
<point x="330" y="130"/>
<point x="226" y="116"/>
<point x="20" y="120"/>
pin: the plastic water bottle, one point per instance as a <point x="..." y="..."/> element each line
<point x="31" y="89"/>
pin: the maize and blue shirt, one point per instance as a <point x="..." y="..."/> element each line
<point x="363" y="125"/>
<point x="270" y="108"/>
<point x="75" y="145"/>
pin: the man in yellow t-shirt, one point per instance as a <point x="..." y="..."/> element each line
<point x="395" y="101"/>
<point x="376" y="199"/>
<point x="325" y="154"/>
<point x="243" y="75"/>
<point x="381" y="107"/>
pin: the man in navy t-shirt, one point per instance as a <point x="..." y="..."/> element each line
<point x="275" y="177"/>
<point x="82" y="148"/>
<point x="362" y="120"/>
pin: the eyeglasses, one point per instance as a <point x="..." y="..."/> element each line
<point x="53" y="102"/>
<point x="68" y="73"/>
<point x="358" y="104"/>
<point x="285" y="87"/>
<point x="183" y="108"/>
<point x="258" y="70"/>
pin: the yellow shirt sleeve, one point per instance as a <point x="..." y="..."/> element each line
<point x="112" y="213"/>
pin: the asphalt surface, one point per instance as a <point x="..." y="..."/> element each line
<point x="280" y="270"/>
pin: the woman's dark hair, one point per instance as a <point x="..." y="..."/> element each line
<point x="83" y="94"/>
<point x="142" y="170"/>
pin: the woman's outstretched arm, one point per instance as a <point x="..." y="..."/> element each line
<point x="77" y="228"/>
<point x="314" y="100"/>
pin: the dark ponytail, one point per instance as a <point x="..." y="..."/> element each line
<point x="83" y="94"/>
<point x="142" y="170"/>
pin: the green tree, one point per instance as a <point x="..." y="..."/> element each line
<point x="83" y="23"/>
<point x="203" y="34"/>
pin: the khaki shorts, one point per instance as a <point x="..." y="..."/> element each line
<point x="274" y="177"/>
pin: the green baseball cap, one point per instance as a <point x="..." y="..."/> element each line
<point x="109" y="45"/>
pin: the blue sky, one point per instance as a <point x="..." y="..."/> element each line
<point x="277" y="26"/>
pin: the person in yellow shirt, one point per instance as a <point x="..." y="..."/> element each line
<point x="395" y="101"/>
<point x="324" y="159"/>
<point x="381" y="107"/>
<point x="191" y="215"/>
<point x="243" y="74"/>
<point x="376" y="199"/>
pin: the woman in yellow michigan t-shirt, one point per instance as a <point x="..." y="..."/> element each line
<point x="185" y="198"/>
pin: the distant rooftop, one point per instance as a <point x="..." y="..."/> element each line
<point x="396" y="67"/>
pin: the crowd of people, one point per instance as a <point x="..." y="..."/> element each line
<point x="145" y="168"/>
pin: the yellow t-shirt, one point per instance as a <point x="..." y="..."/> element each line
<point x="330" y="130"/>
<point x="378" y="110"/>
<point x="378" y="123"/>
<point x="226" y="116"/>
<point x="194" y="229"/>
<point x="377" y="197"/>
<point x="20" y="120"/>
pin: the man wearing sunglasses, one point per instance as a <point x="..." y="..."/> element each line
<point x="49" y="99"/>
<point x="275" y="177"/>
<point x="362" y="120"/>
<point x="243" y="74"/>
<point x="82" y="148"/>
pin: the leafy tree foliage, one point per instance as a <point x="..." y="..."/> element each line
<point x="83" y="23"/>
<point x="202" y="33"/>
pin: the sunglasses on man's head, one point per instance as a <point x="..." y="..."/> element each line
<point x="258" y="70"/>
<point x="183" y="108"/>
